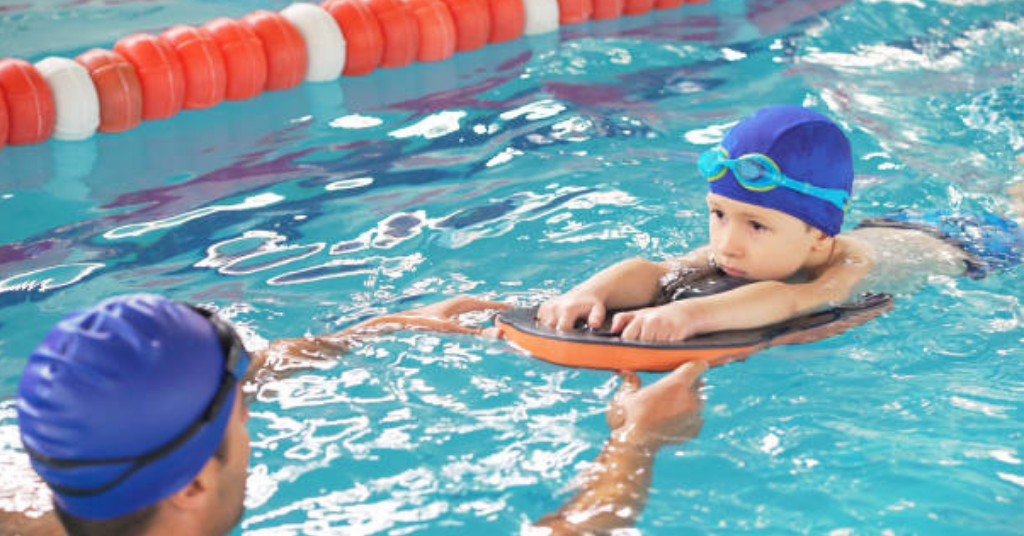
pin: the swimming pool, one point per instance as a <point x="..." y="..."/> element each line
<point x="514" y="172"/>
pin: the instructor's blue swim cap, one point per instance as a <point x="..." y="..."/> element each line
<point x="807" y="146"/>
<point x="117" y="405"/>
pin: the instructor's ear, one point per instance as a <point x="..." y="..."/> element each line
<point x="195" y="495"/>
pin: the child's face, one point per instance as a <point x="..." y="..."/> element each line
<point x="757" y="242"/>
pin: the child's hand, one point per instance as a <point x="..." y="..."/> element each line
<point x="666" y="323"/>
<point x="562" y="312"/>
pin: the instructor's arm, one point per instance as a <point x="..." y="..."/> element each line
<point x="439" y="317"/>
<point x="614" y="488"/>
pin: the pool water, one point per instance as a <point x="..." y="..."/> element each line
<point x="513" y="173"/>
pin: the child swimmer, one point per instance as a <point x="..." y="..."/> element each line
<point x="780" y="185"/>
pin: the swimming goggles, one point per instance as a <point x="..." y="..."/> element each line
<point x="236" y="362"/>
<point x="759" y="173"/>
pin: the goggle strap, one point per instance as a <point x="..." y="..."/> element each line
<point x="139" y="461"/>
<point x="835" y="196"/>
<point x="88" y="492"/>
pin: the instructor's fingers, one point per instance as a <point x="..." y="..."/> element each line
<point x="616" y="415"/>
<point x="492" y="333"/>
<point x="686" y="374"/>
<point x="466" y="304"/>
<point x="630" y="382"/>
<point x="463" y="304"/>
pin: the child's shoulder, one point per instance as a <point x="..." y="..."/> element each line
<point x="851" y="254"/>
<point x="850" y="248"/>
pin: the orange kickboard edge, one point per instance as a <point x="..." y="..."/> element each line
<point x="589" y="349"/>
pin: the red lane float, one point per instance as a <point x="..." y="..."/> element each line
<point x="437" y="29"/>
<point x="30" y="107"/>
<point x="118" y="88"/>
<point x="283" y="47"/>
<point x="4" y="124"/>
<point x="205" y="71"/>
<point x="574" y="11"/>
<point x="637" y="7"/>
<point x="401" y="35"/>
<point x="363" y="37"/>
<point x="507" y="20"/>
<point x="472" y="21"/>
<point x="161" y="75"/>
<point x="199" y="67"/>
<point x="244" y="60"/>
<point x="607" y="9"/>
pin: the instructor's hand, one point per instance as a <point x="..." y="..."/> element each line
<point x="667" y="411"/>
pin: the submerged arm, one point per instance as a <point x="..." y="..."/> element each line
<point x="614" y="488"/>
<point x="440" y="317"/>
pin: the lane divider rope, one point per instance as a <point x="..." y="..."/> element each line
<point x="146" y="77"/>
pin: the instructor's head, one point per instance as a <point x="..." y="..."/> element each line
<point x="131" y="413"/>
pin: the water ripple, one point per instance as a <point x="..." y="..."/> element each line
<point x="255" y="251"/>
<point x="50" y="278"/>
<point x="139" y="229"/>
<point x="20" y="488"/>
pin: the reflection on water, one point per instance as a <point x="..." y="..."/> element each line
<point x="47" y="279"/>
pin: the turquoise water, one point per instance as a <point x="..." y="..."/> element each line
<point x="513" y="173"/>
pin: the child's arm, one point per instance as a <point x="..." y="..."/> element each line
<point x="627" y="284"/>
<point x="754" y="305"/>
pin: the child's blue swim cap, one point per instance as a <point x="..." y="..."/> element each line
<point x="807" y="147"/>
<point x="117" y="405"/>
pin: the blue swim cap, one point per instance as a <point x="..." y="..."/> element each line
<point x="807" y="146"/>
<point x="120" y="380"/>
